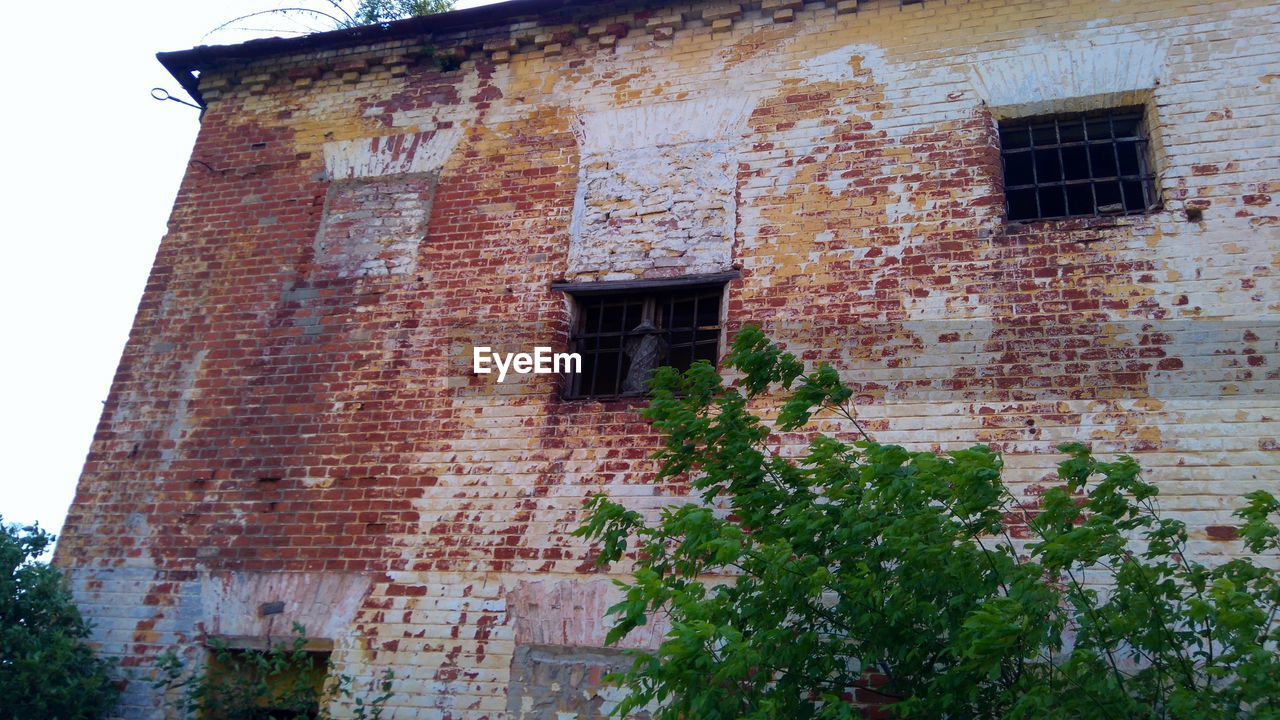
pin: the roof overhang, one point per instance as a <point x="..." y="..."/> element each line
<point x="185" y="65"/>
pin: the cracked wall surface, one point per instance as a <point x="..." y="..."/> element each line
<point x="550" y="683"/>
<point x="655" y="212"/>
<point x="291" y="411"/>
<point x="657" y="189"/>
<point x="373" y="227"/>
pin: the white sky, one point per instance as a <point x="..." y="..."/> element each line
<point x="92" y="164"/>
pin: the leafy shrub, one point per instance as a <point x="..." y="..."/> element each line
<point x="283" y="682"/>
<point x="47" y="670"/>
<point x="856" y="573"/>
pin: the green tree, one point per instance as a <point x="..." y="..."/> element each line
<point x="320" y="15"/>
<point x="803" y="584"/>
<point x="47" y="670"/>
<point x="369" y="12"/>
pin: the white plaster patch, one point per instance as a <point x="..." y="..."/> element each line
<point x="415" y="152"/>
<point x="572" y="613"/>
<point x="1044" y="72"/>
<point x="373" y="228"/>
<point x="427" y="136"/>
<point x="179" y="425"/>
<point x="943" y="312"/>
<point x="655" y="208"/>
<point x="656" y="189"/>
<point x="924" y="94"/>
<point x="837" y="66"/>
<point x="706" y="119"/>
<point x="324" y="603"/>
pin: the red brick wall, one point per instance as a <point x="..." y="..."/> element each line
<point x="280" y="411"/>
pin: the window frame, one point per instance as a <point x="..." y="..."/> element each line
<point x="657" y="300"/>
<point x="1145" y="177"/>
<point x="318" y="651"/>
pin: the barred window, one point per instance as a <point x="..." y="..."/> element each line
<point x="1077" y="164"/>
<point x="623" y="336"/>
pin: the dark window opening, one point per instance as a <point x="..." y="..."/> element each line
<point x="1079" y="164"/>
<point x="624" y="337"/>
<point x="267" y="684"/>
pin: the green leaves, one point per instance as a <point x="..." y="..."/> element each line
<point x="761" y="362"/>
<point x="47" y="669"/>
<point x="611" y="524"/>
<point x="1260" y="532"/>
<point x="798" y="580"/>
<point x="371" y="12"/>
<point x="990" y="634"/>
<point x="283" y="681"/>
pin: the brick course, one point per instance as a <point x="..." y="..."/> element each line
<point x="295" y="397"/>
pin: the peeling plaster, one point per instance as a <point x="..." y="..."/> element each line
<point x="418" y="152"/>
<point x="324" y="603"/>
<point x="1043" y="76"/>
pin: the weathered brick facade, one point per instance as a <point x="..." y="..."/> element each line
<point x="294" y="418"/>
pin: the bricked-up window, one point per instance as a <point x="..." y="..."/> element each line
<point x="1080" y="164"/>
<point x="623" y="336"/>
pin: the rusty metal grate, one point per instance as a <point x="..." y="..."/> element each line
<point x="1081" y="164"/>
<point x="610" y="333"/>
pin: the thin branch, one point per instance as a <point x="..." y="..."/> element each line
<point x="277" y="11"/>
<point x="1164" y="626"/>
<point x="857" y="424"/>
<point x="1180" y="551"/>
<point x="1099" y="701"/>
<point x="1091" y="610"/>
<point x="274" y="30"/>
<point x="338" y="6"/>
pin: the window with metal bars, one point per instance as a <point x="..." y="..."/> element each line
<point x="1080" y="164"/>
<point x="623" y="337"/>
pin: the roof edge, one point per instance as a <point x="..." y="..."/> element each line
<point x="184" y="64"/>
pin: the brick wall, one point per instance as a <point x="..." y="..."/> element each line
<point x="294" y="418"/>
